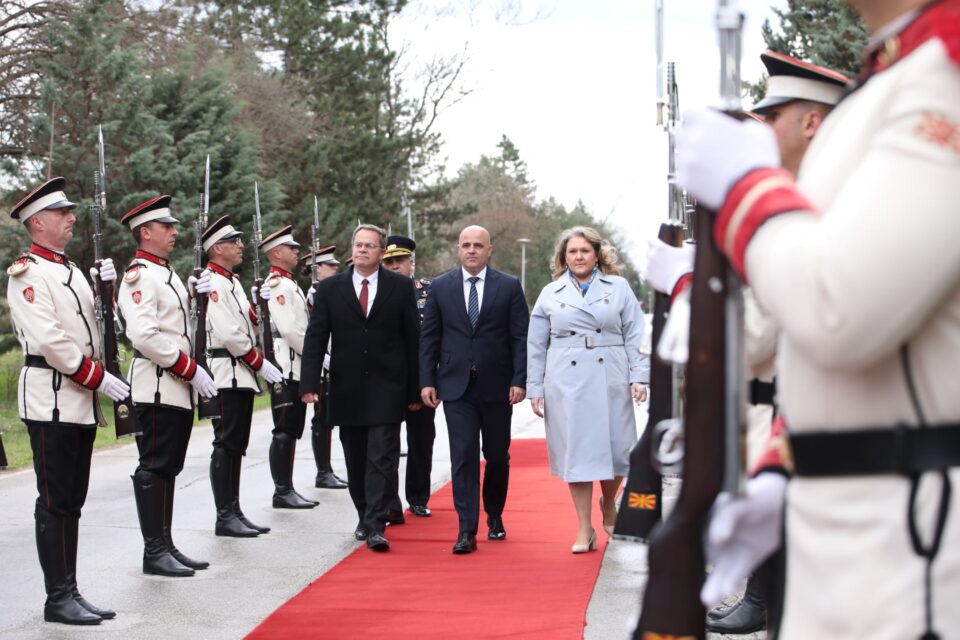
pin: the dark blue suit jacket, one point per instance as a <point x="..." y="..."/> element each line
<point x="496" y="349"/>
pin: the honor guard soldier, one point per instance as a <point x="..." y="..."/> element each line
<point x="856" y="263"/>
<point x="421" y="428"/>
<point x="163" y="376"/>
<point x="235" y="363"/>
<point x="798" y="98"/>
<point x="52" y="309"/>
<point x="321" y="430"/>
<point x="288" y="315"/>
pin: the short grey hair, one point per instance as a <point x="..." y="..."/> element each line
<point x="370" y="227"/>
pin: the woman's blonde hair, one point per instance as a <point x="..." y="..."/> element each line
<point x="607" y="259"/>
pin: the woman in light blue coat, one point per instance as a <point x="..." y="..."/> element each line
<point x="583" y="369"/>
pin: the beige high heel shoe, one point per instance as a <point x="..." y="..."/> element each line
<point x="606" y="527"/>
<point x="590" y="546"/>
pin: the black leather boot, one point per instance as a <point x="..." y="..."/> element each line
<point x="221" y="479"/>
<point x="326" y="478"/>
<point x="148" y="489"/>
<point x="52" y="540"/>
<point x="281" y="468"/>
<point x="235" y="467"/>
<point x="72" y="530"/>
<point x="169" y="484"/>
<point x="747" y="616"/>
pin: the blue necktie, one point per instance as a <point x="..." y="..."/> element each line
<point x="473" y="307"/>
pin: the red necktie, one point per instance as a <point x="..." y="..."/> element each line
<point x="364" y="296"/>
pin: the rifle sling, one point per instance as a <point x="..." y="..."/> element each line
<point x="898" y="450"/>
<point x="762" y="392"/>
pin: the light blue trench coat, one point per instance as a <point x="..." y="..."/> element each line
<point x="582" y="355"/>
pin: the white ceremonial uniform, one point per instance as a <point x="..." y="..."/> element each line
<point x="866" y="296"/>
<point x="582" y="354"/>
<point x="230" y="328"/>
<point x="52" y="309"/>
<point x="288" y="313"/>
<point x="760" y="340"/>
<point x="155" y="309"/>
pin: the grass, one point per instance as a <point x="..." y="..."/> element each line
<point x="16" y="440"/>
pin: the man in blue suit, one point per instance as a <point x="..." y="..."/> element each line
<point x="473" y="357"/>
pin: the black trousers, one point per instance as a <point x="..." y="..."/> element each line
<point x="61" y="460"/>
<point x="290" y="418"/>
<point x="468" y="420"/>
<point x="421" y="432"/>
<point x="319" y="421"/>
<point x="372" y="456"/>
<point x="231" y="431"/>
<point x="166" y="434"/>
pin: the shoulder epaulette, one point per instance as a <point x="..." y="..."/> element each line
<point x="274" y="280"/>
<point x="133" y="272"/>
<point x="20" y="266"/>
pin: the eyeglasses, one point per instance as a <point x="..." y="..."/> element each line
<point x="369" y="246"/>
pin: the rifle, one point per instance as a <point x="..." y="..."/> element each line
<point x="207" y="408"/>
<point x="3" y="456"/>
<point x="714" y="388"/>
<point x="124" y="417"/>
<point x="642" y="509"/>
<point x="264" y="327"/>
<point x="314" y="242"/>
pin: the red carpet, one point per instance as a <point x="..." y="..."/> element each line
<point x="527" y="586"/>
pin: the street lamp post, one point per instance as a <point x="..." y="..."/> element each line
<point x="523" y="261"/>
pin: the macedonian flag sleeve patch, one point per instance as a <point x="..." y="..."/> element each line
<point x="642" y="500"/>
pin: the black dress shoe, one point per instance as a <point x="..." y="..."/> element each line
<point x="420" y="510"/>
<point x="376" y="542"/>
<point x="746" y="617"/>
<point x="466" y="543"/>
<point x="105" y="614"/>
<point x="66" y="610"/>
<point x="496" y="532"/>
<point x="290" y="499"/>
<point x="395" y="517"/>
<point x="360" y="533"/>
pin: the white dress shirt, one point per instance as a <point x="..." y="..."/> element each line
<point x="371" y="286"/>
<point x="466" y="288"/>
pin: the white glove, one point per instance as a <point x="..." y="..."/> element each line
<point x="113" y="387"/>
<point x="203" y="383"/>
<point x="674" y="345"/>
<point x="743" y="532"/>
<point x="201" y="284"/>
<point x="269" y="372"/>
<point x="715" y="150"/>
<point x="108" y="273"/>
<point x="672" y="438"/>
<point x="667" y="264"/>
<point x="263" y="291"/>
<point x="326" y="361"/>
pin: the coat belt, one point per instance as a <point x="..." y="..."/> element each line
<point x="762" y="392"/>
<point x="586" y="341"/>
<point x="889" y="450"/>
<point x="220" y="353"/>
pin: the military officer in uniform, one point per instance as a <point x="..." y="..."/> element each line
<point x="235" y="362"/>
<point x="288" y="315"/>
<point x="421" y="429"/>
<point x="155" y="305"/>
<point x="856" y="263"/>
<point x="52" y="309"/>
<point x="798" y="98"/>
<point x="320" y="429"/>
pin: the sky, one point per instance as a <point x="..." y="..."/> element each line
<point x="573" y="84"/>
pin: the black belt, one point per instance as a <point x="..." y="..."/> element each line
<point x="762" y="392"/>
<point x="220" y="353"/>
<point x="36" y="361"/>
<point x="891" y="450"/>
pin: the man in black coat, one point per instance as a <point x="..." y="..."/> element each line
<point x="473" y="357"/>
<point x="371" y="316"/>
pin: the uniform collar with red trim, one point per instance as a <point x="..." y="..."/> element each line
<point x="146" y="255"/>
<point x="938" y="20"/>
<point x="48" y="254"/>
<point x="226" y="273"/>
<point x="281" y="272"/>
